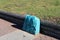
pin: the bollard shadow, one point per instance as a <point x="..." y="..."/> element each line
<point x="18" y="26"/>
<point x="16" y="23"/>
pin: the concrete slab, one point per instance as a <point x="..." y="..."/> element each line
<point x="7" y="32"/>
<point x="5" y="27"/>
<point x="17" y="35"/>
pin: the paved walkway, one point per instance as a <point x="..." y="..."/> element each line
<point x="7" y="32"/>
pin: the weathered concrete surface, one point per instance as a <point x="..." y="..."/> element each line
<point x="43" y="37"/>
<point x="5" y="27"/>
<point x="7" y="32"/>
<point x="17" y="35"/>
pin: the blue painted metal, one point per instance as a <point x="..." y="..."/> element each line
<point x="31" y="24"/>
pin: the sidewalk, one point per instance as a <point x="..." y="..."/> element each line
<point x="7" y="32"/>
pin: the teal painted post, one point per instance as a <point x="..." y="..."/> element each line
<point x="31" y="24"/>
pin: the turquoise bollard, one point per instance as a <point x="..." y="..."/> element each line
<point x="31" y="24"/>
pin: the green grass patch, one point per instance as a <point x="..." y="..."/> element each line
<point x="44" y="9"/>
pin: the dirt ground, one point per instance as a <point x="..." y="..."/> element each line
<point x="6" y="28"/>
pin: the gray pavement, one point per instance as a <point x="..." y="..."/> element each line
<point x="17" y="35"/>
<point x="7" y="32"/>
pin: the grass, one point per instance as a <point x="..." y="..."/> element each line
<point x="44" y="9"/>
